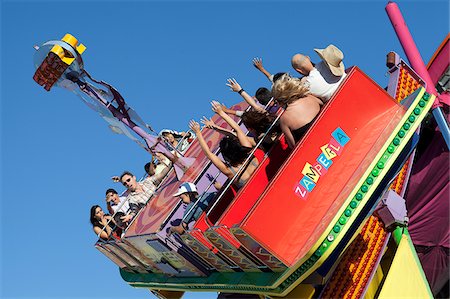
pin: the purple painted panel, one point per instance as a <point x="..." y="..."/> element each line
<point x="427" y="201"/>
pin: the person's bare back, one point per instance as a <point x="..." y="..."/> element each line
<point x="298" y="114"/>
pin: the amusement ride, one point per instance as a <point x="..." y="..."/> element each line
<point x="327" y="219"/>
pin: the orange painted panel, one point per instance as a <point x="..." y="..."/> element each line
<point x="287" y="223"/>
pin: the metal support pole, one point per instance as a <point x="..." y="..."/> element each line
<point x="414" y="58"/>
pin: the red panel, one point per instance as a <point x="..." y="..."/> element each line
<point x="249" y="194"/>
<point x="225" y="233"/>
<point x="288" y="225"/>
<point x="253" y="188"/>
<point x="202" y="224"/>
<point x="222" y="204"/>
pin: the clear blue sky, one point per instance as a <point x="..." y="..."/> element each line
<point x="168" y="59"/>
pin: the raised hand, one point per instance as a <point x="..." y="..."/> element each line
<point x="216" y="107"/>
<point x="194" y="126"/>
<point x="126" y="218"/>
<point x="159" y="156"/>
<point x="234" y="86"/>
<point x="257" y="62"/>
<point x="207" y="122"/>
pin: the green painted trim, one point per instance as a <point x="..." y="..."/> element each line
<point x="248" y="281"/>
<point x="261" y="282"/>
<point x="364" y="188"/>
<point x="398" y="233"/>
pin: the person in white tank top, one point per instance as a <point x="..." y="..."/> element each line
<point x="322" y="79"/>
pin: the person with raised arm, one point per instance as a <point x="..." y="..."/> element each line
<point x="236" y="87"/>
<point x="257" y="122"/>
<point x="233" y="152"/>
<point x="300" y="107"/>
<point x="257" y="62"/>
<point x="140" y="192"/>
<point x="158" y="164"/>
<point x="116" y="203"/>
<point x="208" y="123"/>
<point x="242" y="137"/>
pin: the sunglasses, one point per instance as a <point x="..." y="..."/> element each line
<point x="126" y="181"/>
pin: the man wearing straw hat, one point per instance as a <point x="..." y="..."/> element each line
<point x="325" y="77"/>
